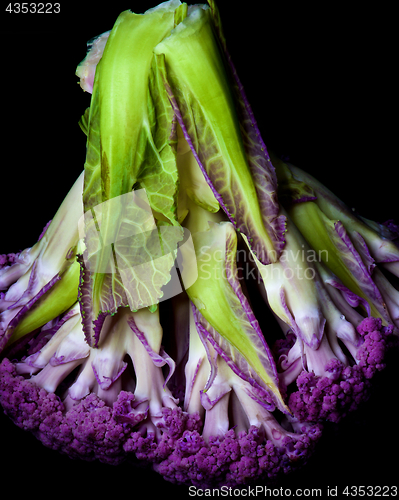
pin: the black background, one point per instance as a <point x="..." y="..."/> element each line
<point x="320" y="82"/>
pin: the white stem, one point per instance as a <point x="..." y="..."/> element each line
<point x="197" y="370"/>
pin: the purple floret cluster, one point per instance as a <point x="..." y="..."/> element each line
<point x="91" y="430"/>
<point x="87" y="431"/>
<point x="332" y="397"/>
<point x="7" y="259"/>
<point x="233" y="459"/>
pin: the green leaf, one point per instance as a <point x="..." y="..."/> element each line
<point x="158" y="173"/>
<point x="218" y="296"/>
<point x="330" y="241"/>
<point x="231" y="155"/>
<point x="131" y="142"/>
<point x="84" y="121"/>
<point x="142" y="255"/>
<point x="60" y="294"/>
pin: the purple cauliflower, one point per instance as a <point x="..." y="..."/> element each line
<point x="338" y="388"/>
<point x="113" y="404"/>
<point x="105" y="357"/>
